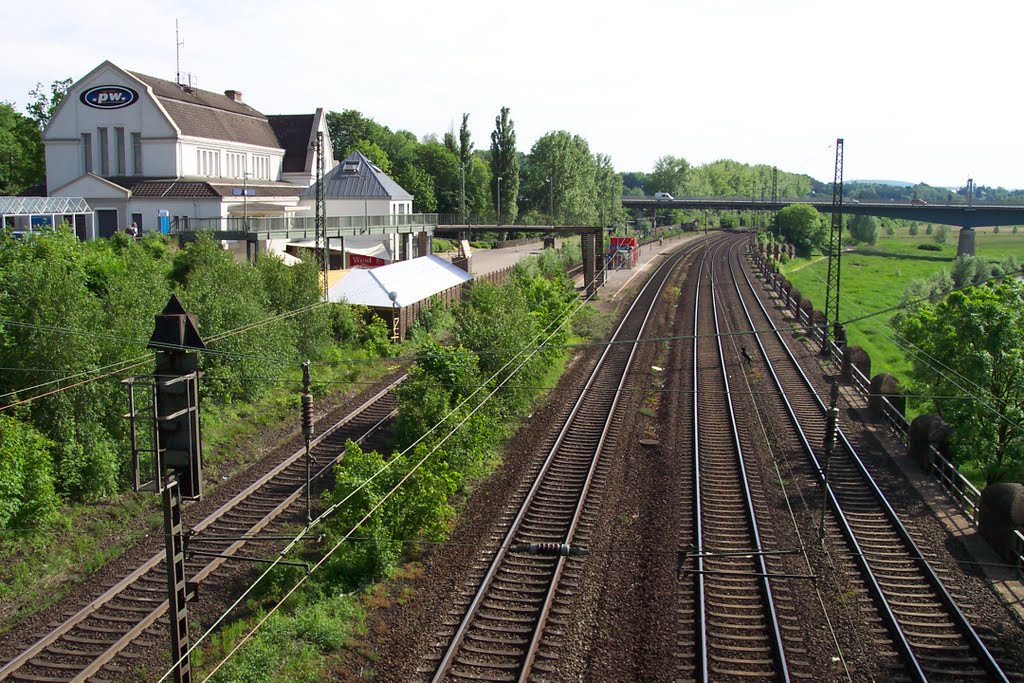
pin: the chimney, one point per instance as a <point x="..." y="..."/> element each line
<point x="234" y="95"/>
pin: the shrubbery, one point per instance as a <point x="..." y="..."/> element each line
<point x="68" y="308"/>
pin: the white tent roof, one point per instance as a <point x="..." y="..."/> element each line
<point x="412" y="281"/>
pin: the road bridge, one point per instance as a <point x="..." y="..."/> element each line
<point x="959" y="214"/>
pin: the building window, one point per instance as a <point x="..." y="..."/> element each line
<point x="86" y="152"/>
<point x="136" y="153"/>
<point x="104" y="151"/>
<point x="235" y="164"/>
<point x="119" y="141"/>
<point x="261" y="167"/>
<point x="208" y="163"/>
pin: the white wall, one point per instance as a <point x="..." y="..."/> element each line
<point x="63" y="135"/>
<point x="189" y="147"/>
<point x="354" y="207"/>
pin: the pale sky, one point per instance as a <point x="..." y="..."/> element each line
<point x="920" y="91"/>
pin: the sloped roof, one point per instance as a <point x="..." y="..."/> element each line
<point x="412" y="281"/>
<point x="200" y="187"/>
<point x="358" y="178"/>
<point x="205" y="114"/>
<point x="293" y="132"/>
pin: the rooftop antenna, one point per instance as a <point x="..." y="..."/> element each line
<point x="178" y="43"/>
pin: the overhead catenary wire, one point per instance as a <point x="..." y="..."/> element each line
<point x="576" y="306"/>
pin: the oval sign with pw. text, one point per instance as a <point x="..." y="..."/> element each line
<point x="109" y="97"/>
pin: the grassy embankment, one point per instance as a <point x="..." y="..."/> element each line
<point x="38" y="568"/>
<point x="874" y="277"/>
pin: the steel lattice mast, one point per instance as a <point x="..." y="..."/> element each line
<point x="321" y="247"/>
<point x="835" y="249"/>
<point x="775" y="199"/>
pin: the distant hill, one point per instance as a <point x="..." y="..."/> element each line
<point x="894" y="183"/>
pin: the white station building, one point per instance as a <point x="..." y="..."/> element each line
<point x="138" y="148"/>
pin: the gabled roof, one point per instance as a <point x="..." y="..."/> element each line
<point x="205" y="114"/>
<point x="293" y="133"/>
<point x="410" y="281"/>
<point x="358" y="178"/>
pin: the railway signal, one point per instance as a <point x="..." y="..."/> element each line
<point x="176" y="455"/>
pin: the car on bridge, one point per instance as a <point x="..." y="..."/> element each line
<point x="918" y="202"/>
<point x="663" y="195"/>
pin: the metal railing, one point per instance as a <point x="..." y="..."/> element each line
<point x="1018" y="552"/>
<point x="965" y="495"/>
<point x="297" y="226"/>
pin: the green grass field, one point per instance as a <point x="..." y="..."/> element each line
<point x="873" y="278"/>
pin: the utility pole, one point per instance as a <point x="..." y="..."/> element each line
<point x="835" y="251"/>
<point x="307" y="432"/>
<point x="831" y="425"/>
<point x="321" y="248"/>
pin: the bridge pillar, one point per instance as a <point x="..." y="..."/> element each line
<point x="965" y="244"/>
<point x="589" y="263"/>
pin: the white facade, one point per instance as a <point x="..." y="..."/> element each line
<point x="138" y="145"/>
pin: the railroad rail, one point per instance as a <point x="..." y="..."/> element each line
<point x="500" y="629"/>
<point x="736" y="629"/>
<point x="86" y="645"/>
<point x="932" y="638"/>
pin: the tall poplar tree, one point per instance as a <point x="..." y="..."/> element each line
<point x="505" y="165"/>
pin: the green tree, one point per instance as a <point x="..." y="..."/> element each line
<point x="671" y="174"/>
<point x="565" y="159"/>
<point x="347" y="128"/>
<point x="505" y="165"/>
<point x="941" y="234"/>
<point x="372" y="151"/>
<point x="802" y="226"/>
<point x="864" y="229"/>
<point x="44" y="102"/>
<point x="442" y="166"/>
<point x="21" y="151"/>
<point x="982" y="330"/>
<point x="913" y="229"/>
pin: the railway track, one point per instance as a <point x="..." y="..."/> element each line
<point x="506" y="626"/>
<point x="736" y="630"/>
<point x="102" y="637"/>
<point x="922" y="633"/>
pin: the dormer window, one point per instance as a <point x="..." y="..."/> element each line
<point x="351" y="166"/>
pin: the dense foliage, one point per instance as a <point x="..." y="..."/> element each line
<point x="449" y="424"/>
<point x="864" y="229"/>
<point x="802" y="226"/>
<point x="71" y="310"/>
<point x="969" y="357"/>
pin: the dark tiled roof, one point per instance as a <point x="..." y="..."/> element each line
<point x="164" y="187"/>
<point x="204" y="114"/>
<point x="272" y="190"/>
<point x="169" y="90"/>
<point x="357" y="178"/>
<point x="200" y="187"/>
<point x="34" y="191"/>
<point x="293" y="131"/>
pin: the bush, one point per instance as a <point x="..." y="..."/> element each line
<point x="443" y="246"/>
<point x="914" y="229"/>
<point x="864" y="229"/>
<point x="27" y="495"/>
<point x="929" y="247"/>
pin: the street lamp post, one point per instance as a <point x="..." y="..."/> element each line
<point x="499" y="200"/>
